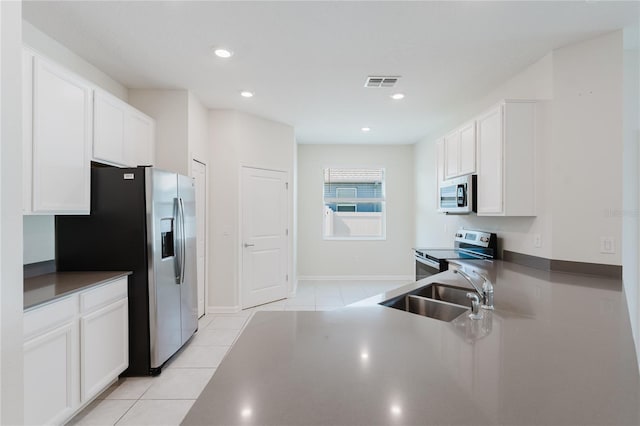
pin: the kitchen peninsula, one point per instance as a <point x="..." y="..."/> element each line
<point x="557" y="350"/>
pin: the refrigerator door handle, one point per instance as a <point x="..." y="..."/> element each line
<point x="177" y="242"/>
<point x="183" y="245"/>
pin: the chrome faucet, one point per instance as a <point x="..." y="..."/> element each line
<point x="475" y="306"/>
<point x="485" y="292"/>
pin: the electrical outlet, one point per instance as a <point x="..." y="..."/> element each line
<point x="607" y="245"/>
<point x="537" y="240"/>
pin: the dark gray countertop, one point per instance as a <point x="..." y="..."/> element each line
<point x="557" y="350"/>
<point x="45" y="288"/>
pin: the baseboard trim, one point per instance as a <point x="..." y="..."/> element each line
<point x="602" y="270"/>
<point x="356" y="278"/>
<point x="223" y="309"/>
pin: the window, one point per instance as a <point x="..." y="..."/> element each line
<point x="346" y="208"/>
<point x="354" y="204"/>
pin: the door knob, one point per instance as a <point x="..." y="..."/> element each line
<point x="248" y="245"/>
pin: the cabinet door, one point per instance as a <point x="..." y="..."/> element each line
<point x="467" y="152"/>
<point x="50" y="374"/>
<point x="104" y="347"/>
<point x="439" y="168"/>
<point x="27" y="130"/>
<point x="108" y="129"/>
<point x="490" y="163"/>
<point x="451" y="153"/>
<point x="61" y="141"/>
<point x="139" y="139"/>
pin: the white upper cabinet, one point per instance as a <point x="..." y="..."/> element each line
<point x="60" y="142"/>
<point x="67" y="122"/>
<point x="108" y="128"/>
<point x="139" y="136"/>
<point x="460" y="151"/>
<point x="506" y="160"/>
<point x="440" y="162"/>
<point x="123" y="136"/>
<point x="451" y="154"/>
<point x="467" y="150"/>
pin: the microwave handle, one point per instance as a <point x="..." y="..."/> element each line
<point x="461" y="195"/>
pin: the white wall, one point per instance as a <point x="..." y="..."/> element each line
<point x="579" y="157"/>
<point x="434" y="229"/>
<point x="586" y="149"/>
<point x="321" y="258"/>
<point x="170" y="110"/>
<point x="238" y="139"/>
<point x="50" y="48"/>
<point x="39" y="239"/>
<point x="182" y="127"/>
<point x="631" y="176"/>
<point x="11" y="364"/>
<point x="198" y="129"/>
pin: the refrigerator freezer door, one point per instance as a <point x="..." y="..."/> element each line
<point x="188" y="288"/>
<point x="164" y="292"/>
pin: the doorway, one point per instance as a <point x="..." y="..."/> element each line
<point x="264" y="221"/>
<point x="199" y="174"/>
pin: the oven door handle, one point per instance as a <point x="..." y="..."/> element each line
<point x="427" y="262"/>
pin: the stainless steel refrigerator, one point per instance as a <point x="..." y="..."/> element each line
<point x="142" y="220"/>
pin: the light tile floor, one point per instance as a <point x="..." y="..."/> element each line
<point x="166" y="399"/>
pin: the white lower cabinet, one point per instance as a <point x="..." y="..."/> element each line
<point x="50" y="391"/>
<point x="104" y="348"/>
<point x="74" y="348"/>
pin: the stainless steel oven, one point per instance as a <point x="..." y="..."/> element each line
<point x="468" y="245"/>
<point x="426" y="267"/>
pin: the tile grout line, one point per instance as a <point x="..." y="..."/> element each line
<point x="127" y="410"/>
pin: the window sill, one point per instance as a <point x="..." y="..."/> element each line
<point x="383" y="238"/>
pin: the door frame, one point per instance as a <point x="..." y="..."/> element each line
<point x="206" y="227"/>
<point x="239" y="235"/>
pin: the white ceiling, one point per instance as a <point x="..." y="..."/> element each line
<point x="307" y="61"/>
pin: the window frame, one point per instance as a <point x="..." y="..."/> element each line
<point x="382" y="200"/>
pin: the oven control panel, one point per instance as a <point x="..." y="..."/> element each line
<point x="475" y="238"/>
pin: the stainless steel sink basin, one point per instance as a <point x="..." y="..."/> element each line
<point x="447" y="293"/>
<point x="419" y="305"/>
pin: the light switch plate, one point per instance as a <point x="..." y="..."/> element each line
<point x="607" y="245"/>
<point x="537" y="240"/>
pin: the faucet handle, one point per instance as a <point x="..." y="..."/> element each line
<point x="475" y="306"/>
<point x="487" y="291"/>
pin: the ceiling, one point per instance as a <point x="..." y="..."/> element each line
<point x="307" y="62"/>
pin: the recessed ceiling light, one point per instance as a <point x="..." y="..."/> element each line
<point x="366" y="129"/>
<point x="222" y="53"/>
<point x="397" y="96"/>
<point x="246" y="94"/>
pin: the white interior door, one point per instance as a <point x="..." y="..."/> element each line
<point x="264" y="241"/>
<point x="199" y="173"/>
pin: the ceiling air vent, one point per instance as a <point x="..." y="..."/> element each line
<point x="381" y="81"/>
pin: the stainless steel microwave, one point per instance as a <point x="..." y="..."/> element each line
<point x="457" y="196"/>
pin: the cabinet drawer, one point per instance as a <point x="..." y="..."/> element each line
<point x="103" y="295"/>
<point x="43" y="318"/>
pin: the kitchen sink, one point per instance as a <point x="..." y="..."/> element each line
<point x="426" y="307"/>
<point x="445" y="293"/>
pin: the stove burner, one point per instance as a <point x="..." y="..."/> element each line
<point x="474" y="245"/>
